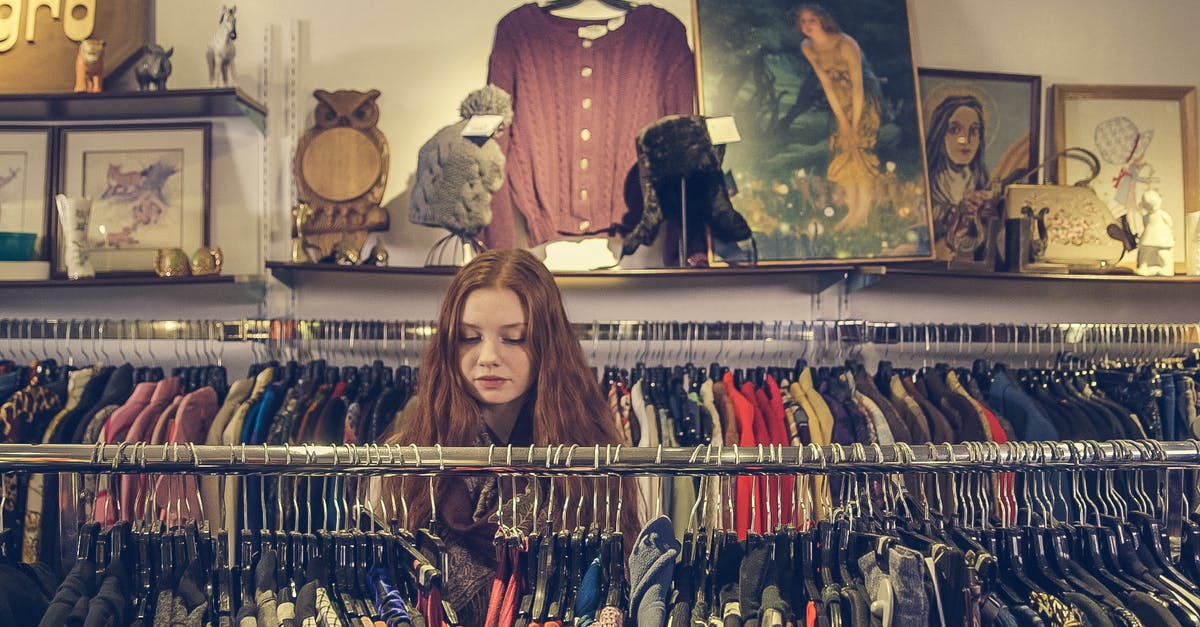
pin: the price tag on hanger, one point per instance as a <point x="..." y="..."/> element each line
<point x="482" y="125"/>
<point x="722" y="129"/>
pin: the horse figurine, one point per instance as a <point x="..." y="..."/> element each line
<point x="221" y="51"/>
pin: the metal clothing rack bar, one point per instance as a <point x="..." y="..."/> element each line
<point x="137" y="330"/>
<point x="596" y="460"/>
<point x="944" y="336"/>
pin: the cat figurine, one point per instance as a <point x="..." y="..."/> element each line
<point x="89" y="66"/>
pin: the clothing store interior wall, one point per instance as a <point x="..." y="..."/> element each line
<point x="423" y="56"/>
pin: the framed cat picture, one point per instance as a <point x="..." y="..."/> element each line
<point x="149" y="187"/>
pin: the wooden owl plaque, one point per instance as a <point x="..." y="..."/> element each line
<point x="341" y="169"/>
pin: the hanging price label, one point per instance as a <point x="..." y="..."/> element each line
<point x="723" y="130"/>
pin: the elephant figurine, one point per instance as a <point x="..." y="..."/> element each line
<point x="207" y="260"/>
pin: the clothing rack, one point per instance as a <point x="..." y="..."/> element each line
<point x="848" y="332"/>
<point x="596" y="460"/>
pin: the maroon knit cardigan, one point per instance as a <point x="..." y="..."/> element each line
<point x="565" y="90"/>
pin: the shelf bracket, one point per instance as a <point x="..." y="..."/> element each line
<point x="285" y="276"/>
<point x="825" y="280"/>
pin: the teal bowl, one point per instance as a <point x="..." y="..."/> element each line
<point x="17" y="246"/>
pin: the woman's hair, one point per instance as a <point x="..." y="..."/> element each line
<point x="829" y="24"/>
<point x="564" y="400"/>
<point x="935" y="144"/>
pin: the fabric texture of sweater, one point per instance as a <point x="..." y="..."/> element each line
<point x="578" y="105"/>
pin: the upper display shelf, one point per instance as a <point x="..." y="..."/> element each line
<point x="132" y="105"/>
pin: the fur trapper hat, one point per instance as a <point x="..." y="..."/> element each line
<point x="675" y="148"/>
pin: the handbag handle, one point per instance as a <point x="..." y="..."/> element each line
<point x="1079" y="154"/>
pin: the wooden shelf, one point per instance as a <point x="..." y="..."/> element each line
<point x="940" y="270"/>
<point x="132" y="105"/>
<point x="148" y="280"/>
<point x="286" y="272"/>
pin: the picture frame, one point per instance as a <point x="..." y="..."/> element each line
<point x="26" y="177"/>
<point x="149" y="186"/>
<point x="1145" y="138"/>
<point x="812" y="188"/>
<point x="1008" y="109"/>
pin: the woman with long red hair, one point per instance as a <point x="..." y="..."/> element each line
<point x="505" y="367"/>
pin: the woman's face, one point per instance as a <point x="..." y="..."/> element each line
<point x="493" y="351"/>
<point x="808" y="23"/>
<point x="963" y="135"/>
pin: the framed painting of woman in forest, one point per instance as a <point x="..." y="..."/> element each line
<point x="830" y="164"/>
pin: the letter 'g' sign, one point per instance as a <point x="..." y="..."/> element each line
<point x="78" y="19"/>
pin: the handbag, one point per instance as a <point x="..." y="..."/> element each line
<point x="1065" y="225"/>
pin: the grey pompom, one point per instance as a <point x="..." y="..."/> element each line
<point x="489" y="100"/>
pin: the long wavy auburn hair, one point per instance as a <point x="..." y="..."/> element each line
<point x="565" y="400"/>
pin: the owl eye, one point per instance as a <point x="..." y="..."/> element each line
<point x="330" y="115"/>
<point x="360" y="113"/>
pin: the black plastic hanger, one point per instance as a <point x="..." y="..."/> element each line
<point x="225" y="577"/>
<point x="1014" y="565"/>
<point x="246" y="557"/>
<point x="342" y="584"/>
<point x="561" y="586"/>
<point x="543" y="582"/>
<point x="617" y="588"/>
<point x="144" y="585"/>
<point x="1150" y="549"/>
<point x="533" y="544"/>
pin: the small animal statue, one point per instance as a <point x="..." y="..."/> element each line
<point x="221" y="50"/>
<point x="89" y="66"/>
<point x="153" y="68"/>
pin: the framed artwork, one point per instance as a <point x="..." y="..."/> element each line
<point x="1145" y="138"/>
<point x="25" y="161"/>
<point x="149" y="186"/>
<point x="981" y="132"/>
<point x="829" y="165"/>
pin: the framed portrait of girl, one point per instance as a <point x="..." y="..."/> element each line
<point x="981" y="131"/>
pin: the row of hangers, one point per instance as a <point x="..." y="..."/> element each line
<point x="343" y="554"/>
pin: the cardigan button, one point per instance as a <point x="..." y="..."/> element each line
<point x="584" y="225"/>
<point x="586" y="71"/>
<point x="583" y="195"/>
<point x="584" y="163"/>
<point x="585" y="134"/>
<point x="587" y="103"/>
<point x="587" y="43"/>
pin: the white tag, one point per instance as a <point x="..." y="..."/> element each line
<point x="616" y="22"/>
<point x="482" y="125"/>
<point x="723" y="130"/>
<point x="593" y="31"/>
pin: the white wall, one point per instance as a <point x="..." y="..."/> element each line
<point x="424" y="56"/>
